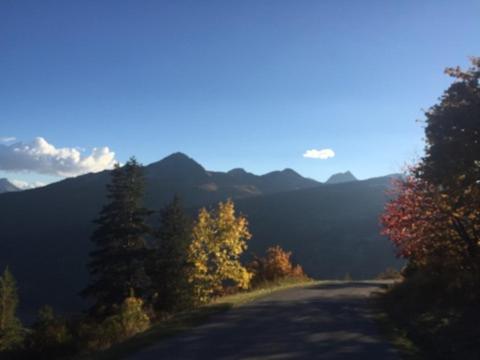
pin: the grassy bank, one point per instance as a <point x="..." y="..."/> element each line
<point x="425" y="322"/>
<point x="186" y="320"/>
<point x="396" y="336"/>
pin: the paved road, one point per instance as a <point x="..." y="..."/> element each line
<point x="331" y="321"/>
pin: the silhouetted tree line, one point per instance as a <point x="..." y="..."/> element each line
<point x="139" y="272"/>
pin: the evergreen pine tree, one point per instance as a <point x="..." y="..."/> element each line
<point x="11" y="334"/>
<point x="170" y="264"/>
<point x="117" y="265"/>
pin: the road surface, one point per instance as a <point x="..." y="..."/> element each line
<point x="330" y="321"/>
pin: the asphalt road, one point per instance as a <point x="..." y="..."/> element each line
<point x="331" y="321"/>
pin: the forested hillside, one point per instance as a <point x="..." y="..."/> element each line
<point x="333" y="229"/>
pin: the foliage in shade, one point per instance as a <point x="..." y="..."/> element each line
<point x="453" y="132"/>
<point x="117" y="265"/>
<point x="452" y="161"/>
<point x="219" y="238"/>
<point x="50" y="336"/>
<point x="169" y="270"/>
<point x="11" y="332"/>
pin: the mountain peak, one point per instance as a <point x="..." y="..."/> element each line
<point x="291" y="172"/>
<point x="237" y="171"/>
<point x="177" y="156"/>
<point x="176" y="166"/>
<point x="287" y="179"/>
<point x="7" y="186"/>
<point x="344" y="177"/>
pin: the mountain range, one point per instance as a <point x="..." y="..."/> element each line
<point x="332" y="228"/>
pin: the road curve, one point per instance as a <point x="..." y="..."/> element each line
<point x="330" y="321"/>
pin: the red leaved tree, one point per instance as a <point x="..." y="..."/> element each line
<point x="428" y="225"/>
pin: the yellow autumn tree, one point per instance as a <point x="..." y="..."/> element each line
<point x="219" y="238"/>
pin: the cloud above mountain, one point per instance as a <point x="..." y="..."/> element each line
<point x="322" y="154"/>
<point x="44" y="158"/>
<point x="7" y="139"/>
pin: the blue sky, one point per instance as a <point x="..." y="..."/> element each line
<point x="246" y="83"/>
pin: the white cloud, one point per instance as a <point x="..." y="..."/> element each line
<point x="319" y="154"/>
<point x="41" y="157"/>
<point x="27" y="185"/>
<point x="7" y="139"/>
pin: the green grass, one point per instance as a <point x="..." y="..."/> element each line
<point x="261" y="291"/>
<point x="397" y="337"/>
<point x="388" y="327"/>
<point x="186" y="320"/>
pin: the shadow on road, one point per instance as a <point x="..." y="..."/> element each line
<point x="331" y="321"/>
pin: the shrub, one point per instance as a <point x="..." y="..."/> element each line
<point x="274" y="266"/>
<point x="132" y="319"/>
<point x="389" y="274"/>
<point x="50" y="336"/>
<point x="128" y="320"/>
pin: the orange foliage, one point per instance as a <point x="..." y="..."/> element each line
<point x="274" y="266"/>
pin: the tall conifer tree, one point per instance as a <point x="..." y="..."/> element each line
<point x="117" y="265"/>
<point x="10" y="327"/>
<point x="170" y="263"/>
